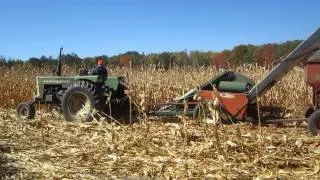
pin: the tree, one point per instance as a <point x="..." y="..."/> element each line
<point x="249" y="56"/>
<point x="135" y="57"/>
<point x="199" y="58"/>
<point x="102" y="57"/>
<point x="181" y="58"/>
<point x="3" y="61"/>
<point x="35" y="62"/>
<point x="242" y="54"/>
<point x="72" y="60"/>
<point x="154" y="59"/>
<point x="265" y="54"/>
<point x="113" y="60"/>
<point x="284" y="49"/>
<point x="238" y="55"/>
<point x="220" y="60"/>
<point x="89" y="62"/>
<point x="165" y="60"/>
<point x="125" y="60"/>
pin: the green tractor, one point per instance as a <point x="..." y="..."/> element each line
<point x="79" y="96"/>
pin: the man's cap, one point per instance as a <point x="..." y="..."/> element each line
<point x="100" y="62"/>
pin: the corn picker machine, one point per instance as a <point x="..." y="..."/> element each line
<point x="235" y="95"/>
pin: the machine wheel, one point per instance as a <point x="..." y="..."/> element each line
<point x="79" y="100"/>
<point x="252" y="114"/>
<point x="309" y="111"/>
<point x="26" y="110"/>
<point x="314" y="123"/>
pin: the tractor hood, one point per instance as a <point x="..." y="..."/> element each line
<point x="65" y="81"/>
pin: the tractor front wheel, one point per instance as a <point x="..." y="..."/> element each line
<point x="26" y="110"/>
<point x="314" y="123"/>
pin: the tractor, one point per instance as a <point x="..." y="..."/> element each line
<point x="79" y="96"/>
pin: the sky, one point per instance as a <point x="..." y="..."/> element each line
<point x="32" y="28"/>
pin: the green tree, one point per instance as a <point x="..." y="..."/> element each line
<point x="238" y="55"/>
<point x="284" y="49"/>
<point x="3" y="61"/>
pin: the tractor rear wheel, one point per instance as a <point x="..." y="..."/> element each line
<point x="309" y="111"/>
<point x="314" y="123"/>
<point x="26" y="110"/>
<point x="80" y="100"/>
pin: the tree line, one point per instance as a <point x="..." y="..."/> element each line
<point x="263" y="55"/>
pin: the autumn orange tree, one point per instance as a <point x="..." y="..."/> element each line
<point x="220" y="60"/>
<point x="125" y="60"/>
<point x="265" y="54"/>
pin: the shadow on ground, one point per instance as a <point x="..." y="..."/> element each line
<point x="272" y="112"/>
<point x="7" y="168"/>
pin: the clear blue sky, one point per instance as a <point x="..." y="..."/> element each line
<point x="31" y="28"/>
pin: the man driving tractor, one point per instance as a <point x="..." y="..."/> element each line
<point x="100" y="69"/>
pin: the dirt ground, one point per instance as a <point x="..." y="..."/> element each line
<point x="51" y="148"/>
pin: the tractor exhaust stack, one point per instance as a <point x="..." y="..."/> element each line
<point x="58" y="69"/>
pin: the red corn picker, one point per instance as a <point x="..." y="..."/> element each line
<point x="236" y="95"/>
<point x="312" y="77"/>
